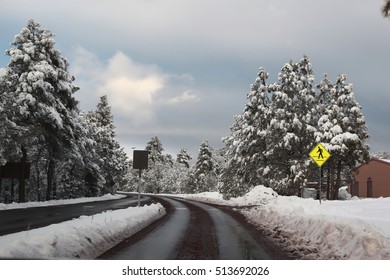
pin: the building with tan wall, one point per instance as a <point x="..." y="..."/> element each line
<point x="371" y="179"/>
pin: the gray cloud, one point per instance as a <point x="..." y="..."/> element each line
<point x="184" y="67"/>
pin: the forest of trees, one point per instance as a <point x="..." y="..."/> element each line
<point x="72" y="154"/>
<point x="280" y="124"/>
<point x="76" y="154"/>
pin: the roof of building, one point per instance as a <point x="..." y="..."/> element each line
<point x="381" y="160"/>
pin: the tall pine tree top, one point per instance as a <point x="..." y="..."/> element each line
<point x="43" y="90"/>
<point x="155" y="149"/>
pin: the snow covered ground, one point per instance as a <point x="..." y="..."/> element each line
<point x="353" y="229"/>
<point x="59" y="202"/>
<point x="85" y="237"/>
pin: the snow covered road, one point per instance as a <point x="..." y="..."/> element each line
<point x="161" y="243"/>
<point x="354" y="229"/>
<point x="198" y="231"/>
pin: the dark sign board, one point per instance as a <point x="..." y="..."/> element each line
<point x="15" y="170"/>
<point x="140" y="159"/>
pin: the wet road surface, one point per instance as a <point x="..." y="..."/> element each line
<point x="161" y="243"/>
<point x="194" y="230"/>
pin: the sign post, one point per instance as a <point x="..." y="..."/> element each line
<point x="140" y="161"/>
<point x="320" y="155"/>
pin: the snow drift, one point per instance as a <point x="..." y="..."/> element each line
<point x="353" y="229"/>
<point x="85" y="237"/>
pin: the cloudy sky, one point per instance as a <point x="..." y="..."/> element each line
<point x="180" y="69"/>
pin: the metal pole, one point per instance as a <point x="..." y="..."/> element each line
<point x="139" y="188"/>
<point x="320" y="183"/>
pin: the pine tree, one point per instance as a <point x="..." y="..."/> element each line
<point x="292" y="126"/>
<point x="155" y="149"/>
<point x="343" y="130"/>
<point x="113" y="160"/>
<point x="8" y="132"/>
<point x="270" y="141"/>
<point x="205" y="173"/>
<point x="156" y="166"/>
<point x="246" y="147"/>
<point x="41" y="93"/>
<point x="183" y="157"/>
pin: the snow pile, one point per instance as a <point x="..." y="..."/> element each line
<point x="257" y="196"/>
<point x="15" y="205"/>
<point x="353" y="229"/>
<point x="85" y="237"/>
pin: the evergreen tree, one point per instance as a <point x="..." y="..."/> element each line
<point x="7" y="131"/>
<point x="113" y="160"/>
<point x="205" y="173"/>
<point x="41" y="93"/>
<point x="292" y="126"/>
<point x="246" y="147"/>
<point x="183" y="157"/>
<point x="158" y="163"/>
<point x="343" y="130"/>
<point x="155" y="149"/>
<point x="270" y="141"/>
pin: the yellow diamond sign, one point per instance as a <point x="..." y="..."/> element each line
<point x="319" y="154"/>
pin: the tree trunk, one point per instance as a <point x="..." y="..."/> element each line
<point x="332" y="186"/>
<point x="22" y="180"/>
<point x="12" y="197"/>
<point x="50" y="175"/>
<point x="1" y="179"/>
<point x="328" y="182"/>
<point x="338" y="181"/>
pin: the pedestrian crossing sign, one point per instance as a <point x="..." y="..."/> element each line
<point x="319" y="154"/>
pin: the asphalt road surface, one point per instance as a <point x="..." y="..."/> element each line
<point x="16" y="220"/>
<point x="198" y="231"/>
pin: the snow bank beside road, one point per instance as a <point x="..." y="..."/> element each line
<point x="59" y="202"/>
<point x="86" y="237"/>
<point x="354" y="229"/>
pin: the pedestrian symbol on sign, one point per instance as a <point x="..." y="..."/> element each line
<point x="319" y="154"/>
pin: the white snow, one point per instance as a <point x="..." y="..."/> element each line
<point x="3" y="73"/>
<point x="352" y="229"/>
<point x="59" y="202"/>
<point x="86" y="237"/>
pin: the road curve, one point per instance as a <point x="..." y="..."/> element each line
<point x="194" y="230"/>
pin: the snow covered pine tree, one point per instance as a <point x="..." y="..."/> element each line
<point x="43" y="107"/>
<point x="113" y="161"/>
<point x="281" y="123"/>
<point x="342" y="129"/>
<point x="246" y="160"/>
<point x="205" y="173"/>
